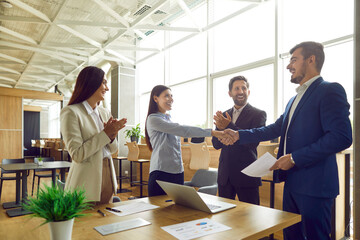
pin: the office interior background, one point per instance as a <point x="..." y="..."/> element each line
<point x="192" y="46"/>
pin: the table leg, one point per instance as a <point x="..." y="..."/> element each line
<point x="20" y="211"/>
<point x="347" y="195"/>
<point x="62" y="174"/>
<point x="53" y="176"/>
<point x="141" y="181"/>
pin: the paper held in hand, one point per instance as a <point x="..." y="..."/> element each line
<point x="261" y="166"/>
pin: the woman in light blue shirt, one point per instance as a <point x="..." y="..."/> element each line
<point x="163" y="139"/>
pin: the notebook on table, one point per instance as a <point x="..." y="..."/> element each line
<point x="189" y="197"/>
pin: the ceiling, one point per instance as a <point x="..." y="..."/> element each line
<point x="45" y="43"/>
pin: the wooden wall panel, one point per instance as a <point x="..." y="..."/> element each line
<point x="10" y="127"/>
<point x="11" y="112"/>
<point x="10" y="144"/>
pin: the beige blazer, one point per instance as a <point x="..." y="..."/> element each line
<point x="85" y="144"/>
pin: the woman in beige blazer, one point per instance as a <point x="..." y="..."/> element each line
<point x="89" y="133"/>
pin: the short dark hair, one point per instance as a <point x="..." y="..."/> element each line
<point x="312" y="48"/>
<point x="238" y="78"/>
<point x="88" y="81"/>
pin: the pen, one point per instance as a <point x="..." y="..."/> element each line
<point x="113" y="209"/>
<point x="102" y="214"/>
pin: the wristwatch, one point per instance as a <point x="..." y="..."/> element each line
<point x="291" y="159"/>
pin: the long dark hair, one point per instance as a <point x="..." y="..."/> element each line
<point x="153" y="108"/>
<point x="88" y="81"/>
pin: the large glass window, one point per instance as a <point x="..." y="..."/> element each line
<point x="261" y="90"/>
<point x="151" y="72"/>
<point x="319" y="20"/>
<point x="189" y="105"/>
<point x="246" y="38"/>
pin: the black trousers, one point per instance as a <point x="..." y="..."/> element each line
<point x="154" y="189"/>
<point x="249" y="195"/>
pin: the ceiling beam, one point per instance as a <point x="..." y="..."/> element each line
<point x="5" y="85"/>
<point x="30" y="9"/>
<point x="9" y="70"/>
<point x="112" y="13"/>
<point x="46" y="69"/>
<point x="17" y="35"/>
<point x="39" y="78"/>
<point x="166" y="28"/>
<point x="188" y="12"/>
<point x="122" y="57"/>
<point x="21" y="19"/>
<point x="90" y="24"/>
<point x="38" y="49"/>
<point x="80" y="35"/>
<point x="7" y="79"/>
<point x="2" y="55"/>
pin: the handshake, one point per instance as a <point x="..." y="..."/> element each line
<point x="227" y="136"/>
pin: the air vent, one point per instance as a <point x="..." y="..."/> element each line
<point x="142" y="10"/>
<point x="159" y="12"/>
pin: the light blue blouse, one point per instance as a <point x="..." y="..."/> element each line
<point x="165" y="141"/>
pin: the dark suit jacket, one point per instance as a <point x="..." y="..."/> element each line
<point x="319" y="128"/>
<point x="235" y="158"/>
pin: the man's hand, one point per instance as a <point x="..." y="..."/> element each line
<point x="230" y="137"/>
<point x="283" y="163"/>
<point x="221" y="122"/>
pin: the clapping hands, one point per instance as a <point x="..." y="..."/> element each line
<point x="112" y="127"/>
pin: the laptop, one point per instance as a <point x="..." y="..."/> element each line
<point x="189" y="197"/>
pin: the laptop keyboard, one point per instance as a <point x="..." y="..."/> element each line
<point x="212" y="206"/>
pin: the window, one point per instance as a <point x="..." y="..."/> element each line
<point x="261" y="91"/>
<point x="189" y="105"/>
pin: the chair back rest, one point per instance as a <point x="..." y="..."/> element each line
<point x="42" y="143"/>
<point x="133" y="154"/>
<point x="11" y="161"/>
<point x="33" y="142"/>
<point x="267" y="147"/>
<point x="200" y="156"/>
<point x="58" y="145"/>
<point x="204" y="177"/>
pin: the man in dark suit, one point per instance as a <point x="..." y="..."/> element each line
<point x="233" y="159"/>
<point x="313" y="128"/>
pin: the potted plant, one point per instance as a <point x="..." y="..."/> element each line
<point x="40" y="161"/>
<point x="58" y="208"/>
<point x="134" y="133"/>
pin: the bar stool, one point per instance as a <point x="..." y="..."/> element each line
<point x="133" y="156"/>
<point x="120" y="177"/>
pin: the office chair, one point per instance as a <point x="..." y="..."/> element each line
<point x="200" y="156"/>
<point x="37" y="173"/>
<point x="3" y="172"/>
<point x="205" y="180"/>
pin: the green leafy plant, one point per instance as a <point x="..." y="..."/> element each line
<point x="54" y="204"/>
<point x="134" y="132"/>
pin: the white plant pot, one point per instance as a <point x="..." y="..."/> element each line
<point x="61" y="230"/>
<point x="40" y="163"/>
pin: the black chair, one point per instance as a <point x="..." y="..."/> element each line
<point x="4" y="178"/>
<point x="39" y="175"/>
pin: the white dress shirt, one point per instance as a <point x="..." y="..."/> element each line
<point x="236" y="113"/>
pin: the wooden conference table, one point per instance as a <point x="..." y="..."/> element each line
<point x="246" y="220"/>
<point x="21" y="175"/>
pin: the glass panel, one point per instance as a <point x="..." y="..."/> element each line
<point x="319" y="20"/>
<point x="261" y="91"/>
<point x="151" y="72"/>
<point x="154" y="40"/>
<point x="188" y="59"/>
<point x="245" y="38"/>
<point x="223" y="8"/>
<point x="144" y="105"/>
<point x="189" y="105"/>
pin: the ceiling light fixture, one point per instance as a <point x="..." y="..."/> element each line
<point x="6" y="4"/>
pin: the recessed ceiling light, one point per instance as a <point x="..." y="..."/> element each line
<point x="6" y="4"/>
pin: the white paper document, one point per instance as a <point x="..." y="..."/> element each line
<point x="133" y="207"/>
<point x="195" y="229"/>
<point x="121" y="226"/>
<point x="261" y="166"/>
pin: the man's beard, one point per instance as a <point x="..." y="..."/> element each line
<point x="240" y="102"/>
<point x="298" y="79"/>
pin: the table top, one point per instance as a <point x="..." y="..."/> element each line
<point x="246" y="220"/>
<point x="31" y="166"/>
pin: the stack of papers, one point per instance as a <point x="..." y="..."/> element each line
<point x="133" y="207"/>
<point x="261" y="166"/>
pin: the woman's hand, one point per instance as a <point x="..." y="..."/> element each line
<point x="112" y="127"/>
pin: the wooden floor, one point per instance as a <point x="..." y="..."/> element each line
<point x="8" y="195"/>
